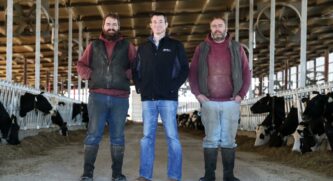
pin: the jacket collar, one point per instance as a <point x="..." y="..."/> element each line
<point x="151" y="38"/>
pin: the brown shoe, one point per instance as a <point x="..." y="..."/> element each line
<point x="141" y="179"/>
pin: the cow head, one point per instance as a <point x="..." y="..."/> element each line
<point x="262" y="135"/>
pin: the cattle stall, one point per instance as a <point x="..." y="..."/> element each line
<point x="35" y="120"/>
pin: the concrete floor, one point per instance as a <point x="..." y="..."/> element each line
<point x="65" y="163"/>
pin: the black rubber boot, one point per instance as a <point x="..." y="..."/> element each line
<point x="210" y="156"/>
<point x="117" y="154"/>
<point x="90" y="154"/>
<point x="228" y="161"/>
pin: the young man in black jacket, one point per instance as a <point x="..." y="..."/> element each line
<point x="161" y="68"/>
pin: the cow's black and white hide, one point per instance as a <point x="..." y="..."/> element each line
<point x="290" y="123"/>
<point x="272" y="105"/>
<point x="280" y="135"/>
<point x="77" y="109"/>
<point x="328" y="121"/>
<point x="182" y="119"/>
<point x="29" y="101"/>
<point x="13" y="133"/>
<point x="61" y="103"/>
<point x="304" y="140"/>
<point x="5" y="122"/>
<point x="85" y="114"/>
<point x="57" y="120"/>
<point x="267" y="131"/>
<point x="311" y="132"/>
<point x="262" y="135"/>
<point x="43" y="104"/>
<point x="82" y="109"/>
<point x="194" y="121"/>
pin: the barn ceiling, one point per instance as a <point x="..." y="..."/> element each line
<point x="188" y="22"/>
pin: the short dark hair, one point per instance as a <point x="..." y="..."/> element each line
<point x="113" y="16"/>
<point x="158" y="14"/>
<point x="214" y="18"/>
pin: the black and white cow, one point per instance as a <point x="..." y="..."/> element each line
<point x="8" y="127"/>
<point x="275" y="128"/>
<point x="328" y="122"/>
<point x="311" y="131"/>
<point x="29" y="101"/>
<point x="273" y="121"/>
<point x="82" y="109"/>
<point x="13" y="133"/>
<point x="194" y="121"/>
<point x="85" y="114"/>
<point x="76" y="110"/>
<point x="5" y="121"/>
<point x="182" y="119"/>
<point x="57" y="120"/>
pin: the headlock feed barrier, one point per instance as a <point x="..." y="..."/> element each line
<point x="249" y="121"/>
<point x="10" y="94"/>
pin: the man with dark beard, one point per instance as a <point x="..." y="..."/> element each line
<point x="106" y="64"/>
<point x="219" y="78"/>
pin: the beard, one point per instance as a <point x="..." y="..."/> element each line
<point x="111" y="34"/>
<point x="218" y="36"/>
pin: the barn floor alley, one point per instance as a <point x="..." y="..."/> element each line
<point x="65" y="163"/>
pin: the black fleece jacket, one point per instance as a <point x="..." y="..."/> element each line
<point x="158" y="72"/>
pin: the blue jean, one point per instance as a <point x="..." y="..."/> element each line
<point x="167" y="111"/>
<point x="106" y="109"/>
<point x="220" y="120"/>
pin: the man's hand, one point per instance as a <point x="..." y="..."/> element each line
<point x="202" y="98"/>
<point x="238" y="99"/>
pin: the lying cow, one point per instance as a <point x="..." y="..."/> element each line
<point x="280" y="136"/>
<point x="311" y="132"/>
<point x="269" y="130"/>
<point x="304" y="140"/>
